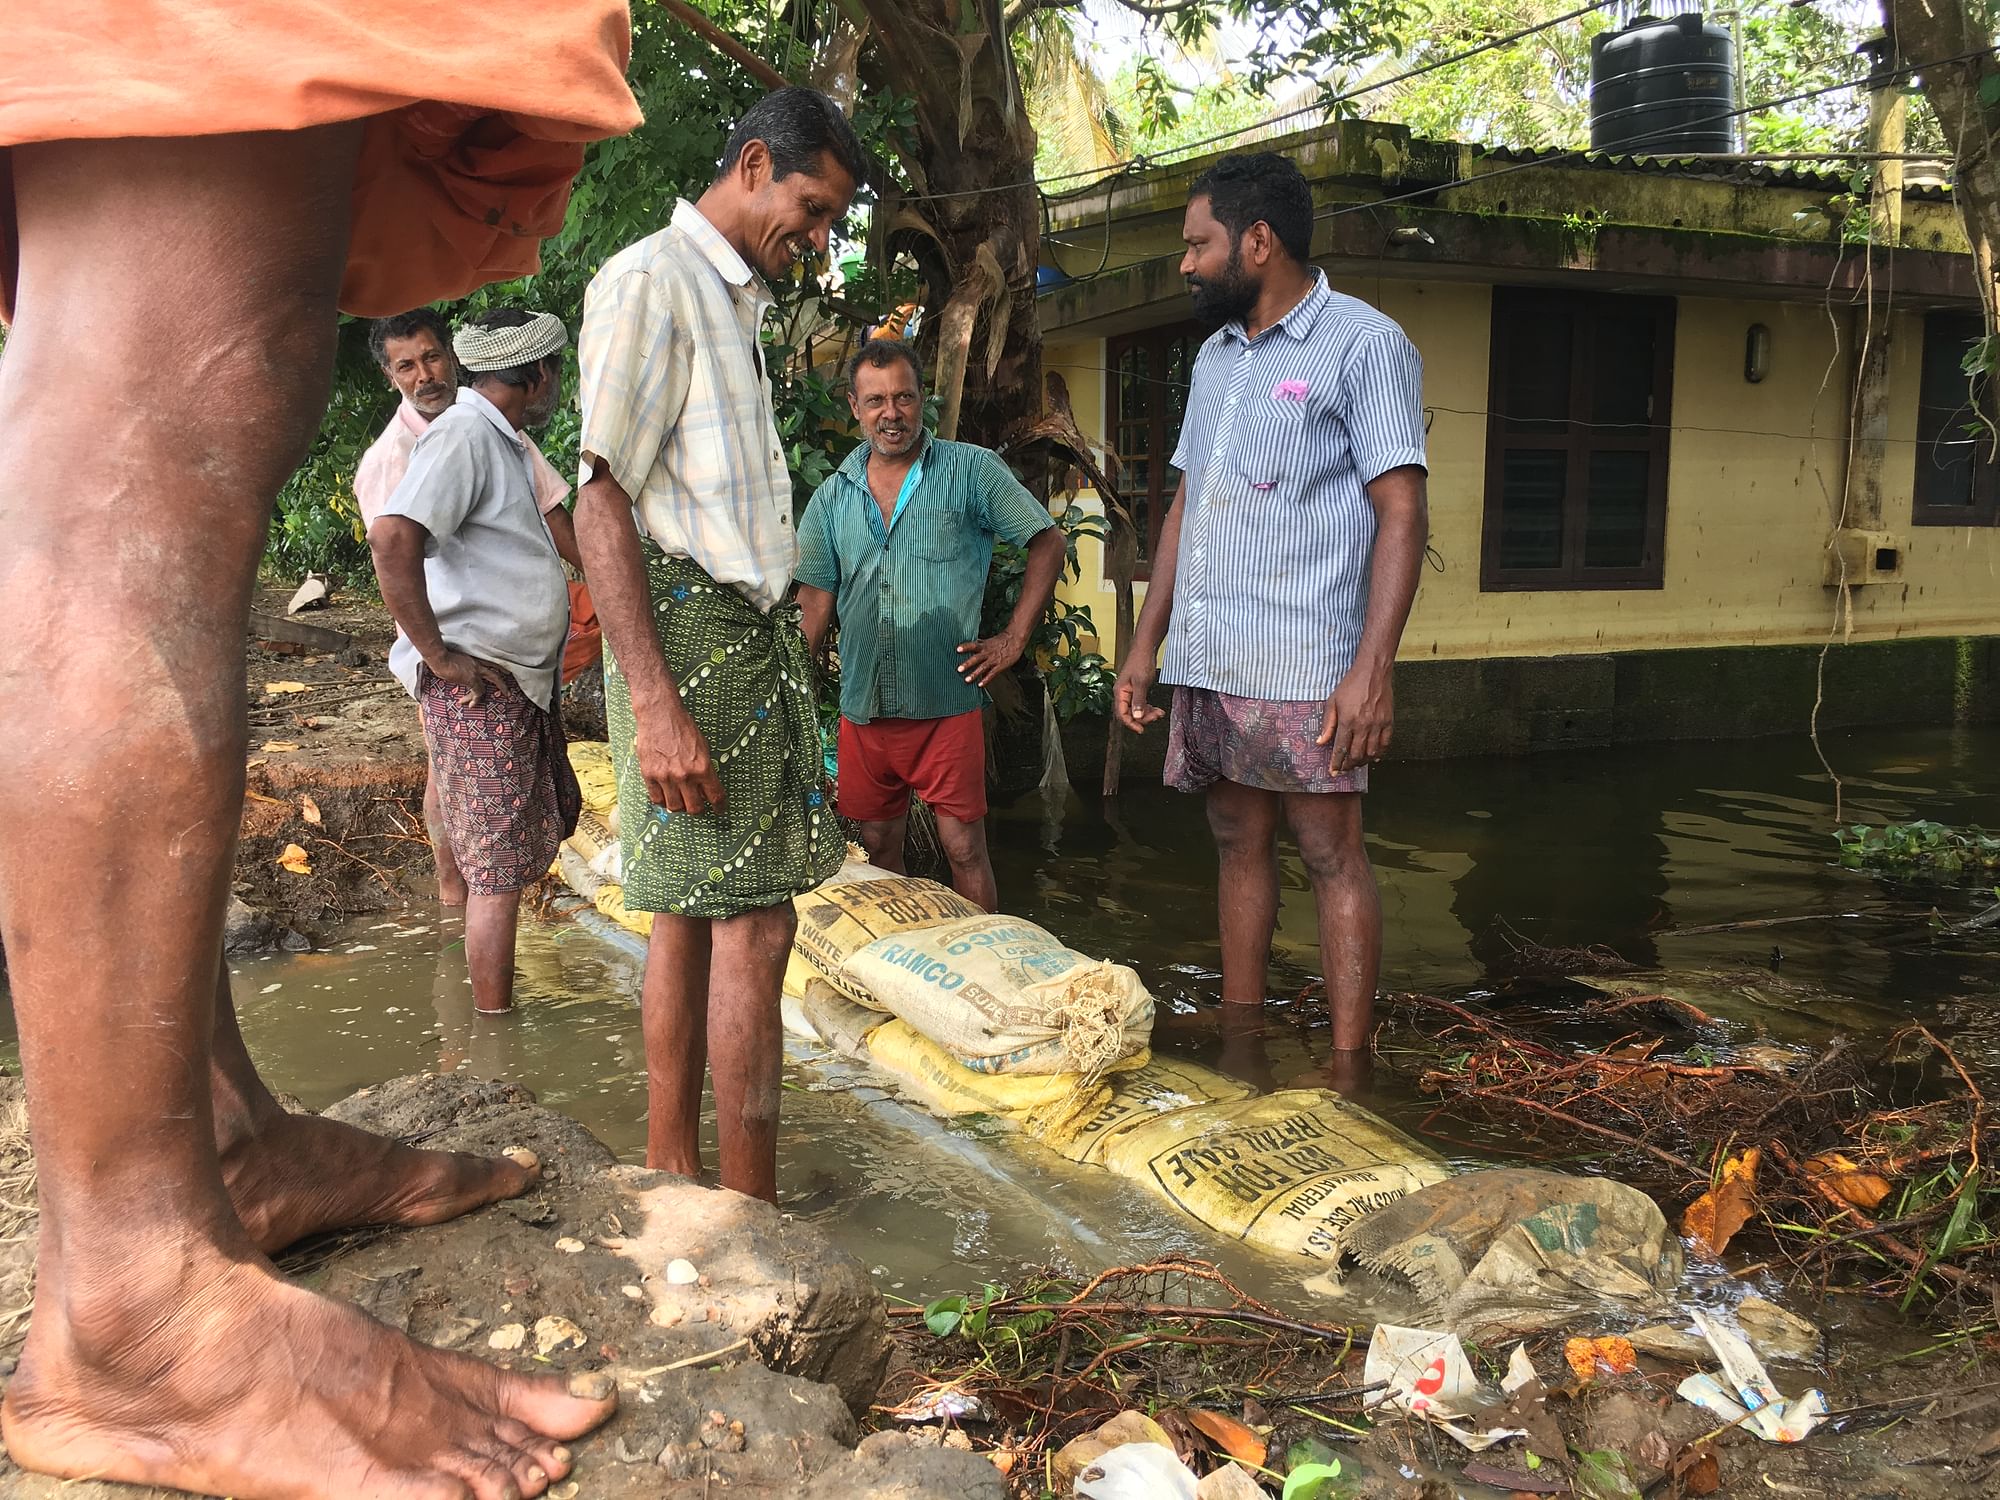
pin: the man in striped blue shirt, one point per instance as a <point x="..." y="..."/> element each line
<point x="1284" y="574"/>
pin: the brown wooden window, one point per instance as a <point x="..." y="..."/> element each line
<point x="1576" y="441"/>
<point x="1958" y="482"/>
<point x="1146" y="395"/>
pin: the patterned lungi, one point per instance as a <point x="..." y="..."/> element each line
<point x="1255" y="742"/>
<point x="503" y="781"/>
<point x="746" y="679"/>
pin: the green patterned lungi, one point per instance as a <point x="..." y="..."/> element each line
<point x="746" y="679"/>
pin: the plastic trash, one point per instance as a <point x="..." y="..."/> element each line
<point x="1428" y="1376"/>
<point x="1744" y="1392"/>
<point x="1137" y="1471"/>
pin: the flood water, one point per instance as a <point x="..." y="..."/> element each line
<point x="1623" y="848"/>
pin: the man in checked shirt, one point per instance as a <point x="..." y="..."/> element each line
<point x="684" y="515"/>
<point x="1283" y="576"/>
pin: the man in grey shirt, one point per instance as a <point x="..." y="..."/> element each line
<point x="482" y="608"/>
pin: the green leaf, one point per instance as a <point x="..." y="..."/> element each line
<point x="1602" y="1475"/>
<point x="1989" y="90"/>
<point x="1311" y="1481"/>
<point x="943" y="1316"/>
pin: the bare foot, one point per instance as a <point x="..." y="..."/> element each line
<point x="217" y="1377"/>
<point x="291" y="1176"/>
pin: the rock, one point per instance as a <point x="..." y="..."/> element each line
<point x="554" y="1335"/>
<point x="804" y="1306"/>
<point x="1230" y="1482"/>
<point x="682" y="1273"/>
<point x="569" y="1245"/>
<point x="245" y="930"/>
<point x="456" y="1113"/>
<point x="639" y="1447"/>
<point x="1775" y="1333"/>
<point x="511" y="1337"/>
<point x="1772" y="1331"/>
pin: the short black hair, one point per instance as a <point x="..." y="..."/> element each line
<point x="1260" y="186"/>
<point x="879" y="354"/>
<point x="797" y="125"/>
<point x="402" y="326"/>
<point x="519" y="376"/>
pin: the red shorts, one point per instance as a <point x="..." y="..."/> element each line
<point x="942" y="760"/>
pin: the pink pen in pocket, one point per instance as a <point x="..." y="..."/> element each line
<point x="1291" y="390"/>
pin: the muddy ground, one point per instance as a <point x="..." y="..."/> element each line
<point x="335" y="768"/>
<point x="744" y="1380"/>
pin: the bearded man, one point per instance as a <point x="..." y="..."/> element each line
<point x="1283" y="577"/>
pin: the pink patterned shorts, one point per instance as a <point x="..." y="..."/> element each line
<point x="1257" y="742"/>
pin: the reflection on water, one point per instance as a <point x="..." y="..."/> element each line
<point x="1627" y="848"/>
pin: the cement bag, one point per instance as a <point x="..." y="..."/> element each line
<point x="845" y="915"/>
<point x="610" y="899"/>
<point x="836" y="1020"/>
<point x="941" y="1081"/>
<point x="591" y="760"/>
<point x="1289" y="1171"/>
<point x="1140" y="1097"/>
<point x="1519" y="1249"/>
<point x="990" y="988"/>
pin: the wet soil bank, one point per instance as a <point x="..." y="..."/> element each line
<point x="744" y="1345"/>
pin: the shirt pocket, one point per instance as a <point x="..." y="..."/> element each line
<point x="1273" y="449"/>
<point x="934" y="536"/>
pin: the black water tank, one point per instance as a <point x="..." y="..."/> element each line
<point x="1663" y="86"/>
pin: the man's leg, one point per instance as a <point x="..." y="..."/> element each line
<point x="971" y="865"/>
<point x="490" y="923"/>
<point x="174" y="335"/>
<point x="675" y="1022"/>
<point x="290" y="1176"/>
<point x="883" y="839"/>
<point x="1244" y="821"/>
<point x="1327" y="826"/>
<point x="746" y="1042"/>
<point x="451" y="884"/>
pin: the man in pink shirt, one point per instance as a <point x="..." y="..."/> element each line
<point x="414" y="351"/>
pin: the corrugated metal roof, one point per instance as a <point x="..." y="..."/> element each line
<point x="1810" y="177"/>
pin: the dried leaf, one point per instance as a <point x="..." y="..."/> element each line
<point x="309" y="810"/>
<point x="252" y="765"/>
<point x="286" y="687"/>
<point x="1696" y="1471"/>
<point x="1865" y="1190"/>
<point x="1230" y="1435"/>
<point x="274" y="747"/>
<point x="294" y="859"/>
<point x="250" y="796"/>
<point x="1712" y="1220"/>
<point x="1586" y="1356"/>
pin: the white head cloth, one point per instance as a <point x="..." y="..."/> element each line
<point x="481" y="349"/>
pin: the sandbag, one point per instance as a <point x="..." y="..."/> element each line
<point x="941" y="1081"/>
<point x="1518" y="1249"/>
<point x="1288" y="1171"/>
<point x="853" y="910"/>
<point x="591" y="760"/>
<point x="1140" y="1097"/>
<point x="610" y="899"/>
<point x="995" y="988"/>
<point x="837" y="1020"/>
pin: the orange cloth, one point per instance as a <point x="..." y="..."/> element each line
<point x="477" y="115"/>
<point x="586" y="637"/>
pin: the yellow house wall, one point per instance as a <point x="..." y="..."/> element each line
<point x="1754" y="484"/>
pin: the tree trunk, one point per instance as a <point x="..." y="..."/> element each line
<point x="974" y="220"/>
<point x="1954" y="58"/>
